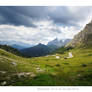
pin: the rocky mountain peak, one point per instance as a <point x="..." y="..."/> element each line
<point x="83" y="38"/>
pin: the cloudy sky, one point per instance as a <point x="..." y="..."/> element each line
<point x="40" y="24"/>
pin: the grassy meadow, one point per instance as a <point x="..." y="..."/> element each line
<point x="47" y="70"/>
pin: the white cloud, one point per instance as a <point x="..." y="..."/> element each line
<point x="48" y="29"/>
<point x="46" y="33"/>
<point x="26" y="34"/>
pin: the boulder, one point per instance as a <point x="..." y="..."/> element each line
<point x="3" y="83"/>
<point x="57" y="57"/>
<point x="13" y="63"/>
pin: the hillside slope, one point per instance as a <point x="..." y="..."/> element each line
<point x="10" y="49"/>
<point x="83" y="38"/>
<point x="47" y="70"/>
<point x="36" y="51"/>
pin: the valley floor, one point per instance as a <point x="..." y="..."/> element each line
<point x="48" y="70"/>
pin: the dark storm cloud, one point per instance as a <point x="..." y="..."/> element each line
<point x="16" y="16"/>
<point x="21" y="15"/>
<point x="70" y="16"/>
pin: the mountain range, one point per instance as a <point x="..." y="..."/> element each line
<point x="41" y="49"/>
<point x="16" y="44"/>
<point x="38" y="50"/>
<point x="56" y="43"/>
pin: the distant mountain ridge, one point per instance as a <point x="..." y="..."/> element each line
<point x="41" y="49"/>
<point x="83" y="38"/>
<point x="10" y="49"/>
<point x="16" y="44"/>
<point x="19" y="47"/>
<point x="38" y="50"/>
<point x="35" y="50"/>
<point x="55" y="44"/>
<point x="58" y="43"/>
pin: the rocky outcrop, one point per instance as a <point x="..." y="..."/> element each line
<point x="83" y="38"/>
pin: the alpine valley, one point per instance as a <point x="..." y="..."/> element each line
<point x="48" y="65"/>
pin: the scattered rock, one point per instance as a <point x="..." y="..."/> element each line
<point x="13" y="63"/>
<point x="24" y="74"/>
<point x="28" y="73"/>
<point x="33" y="75"/>
<point x="38" y="68"/>
<point x="3" y="72"/>
<point x="21" y="75"/>
<point x="70" y="55"/>
<point x="3" y="83"/>
<point x="46" y="55"/>
<point x="79" y="75"/>
<point x="57" y="57"/>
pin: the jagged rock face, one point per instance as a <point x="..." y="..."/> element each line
<point x="55" y="42"/>
<point x="58" y="43"/>
<point x="83" y="38"/>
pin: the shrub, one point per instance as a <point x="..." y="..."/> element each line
<point x="57" y="65"/>
<point x="84" y="65"/>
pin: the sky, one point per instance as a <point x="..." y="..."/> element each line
<point x="41" y="24"/>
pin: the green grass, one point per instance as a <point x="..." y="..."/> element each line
<point x="76" y="71"/>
